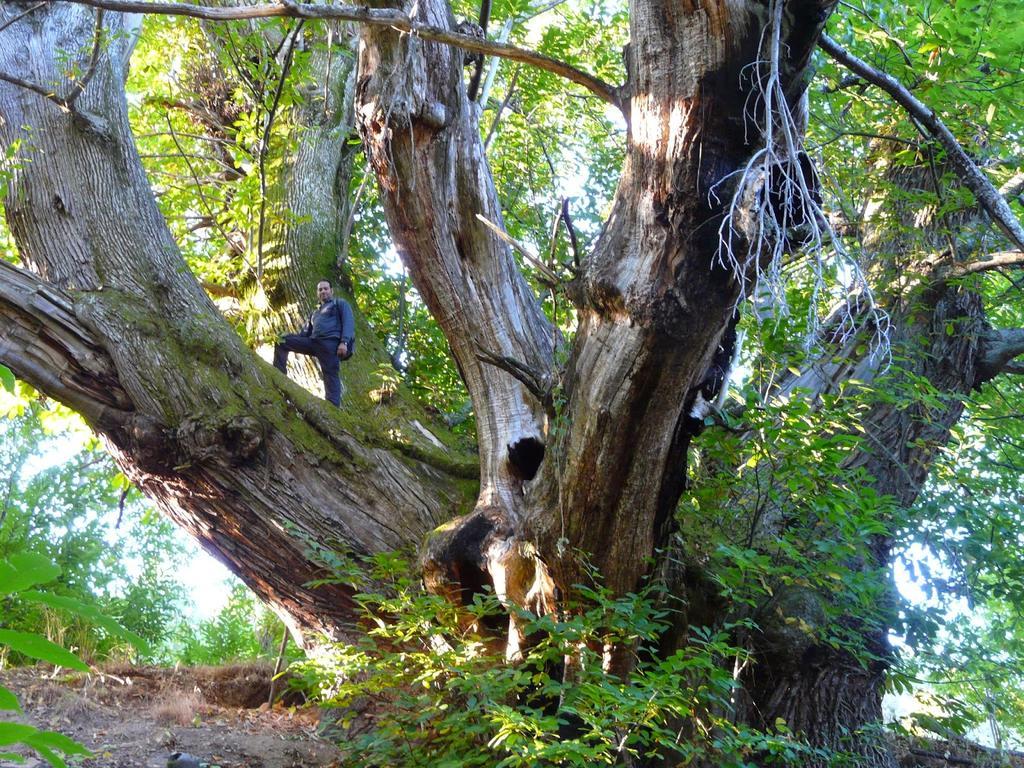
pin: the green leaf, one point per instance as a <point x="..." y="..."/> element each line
<point x="15" y="733"/>
<point x="14" y="757"/>
<point x="8" y="700"/>
<point x="86" y="611"/>
<point x="54" y="740"/>
<point x="50" y="756"/>
<point x="6" y="378"/>
<point x="25" y="569"/>
<point x="39" y="648"/>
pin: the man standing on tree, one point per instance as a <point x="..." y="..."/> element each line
<point x="329" y="336"/>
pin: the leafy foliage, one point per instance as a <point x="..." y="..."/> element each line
<point x="67" y="503"/>
<point x="439" y="693"/>
<point x="19" y="573"/>
<point x="244" y="629"/>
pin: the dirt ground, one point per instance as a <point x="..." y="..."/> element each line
<point x="136" y="717"/>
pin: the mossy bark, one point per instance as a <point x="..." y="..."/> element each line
<point x="254" y="467"/>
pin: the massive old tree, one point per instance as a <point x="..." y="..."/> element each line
<point x="582" y="440"/>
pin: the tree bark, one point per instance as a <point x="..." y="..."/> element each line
<point x="248" y="463"/>
<point x="421" y="136"/>
<point x="586" y="458"/>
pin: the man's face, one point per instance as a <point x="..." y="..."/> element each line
<point x="323" y="291"/>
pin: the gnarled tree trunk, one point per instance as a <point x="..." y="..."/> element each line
<point x="586" y="458"/>
<point x="248" y="463"/>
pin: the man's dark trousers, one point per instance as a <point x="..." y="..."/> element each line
<point x="324" y="350"/>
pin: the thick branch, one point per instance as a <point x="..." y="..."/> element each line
<point x="1013" y="187"/>
<point x="998" y="350"/>
<point x="45" y="345"/>
<point x="374" y="16"/>
<point x="988" y="196"/>
<point x="1015" y="367"/>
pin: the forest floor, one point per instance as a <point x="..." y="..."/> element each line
<point x="137" y="717"/>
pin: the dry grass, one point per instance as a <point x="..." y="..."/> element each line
<point x="176" y="708"/>
<point x="73" y="707"/>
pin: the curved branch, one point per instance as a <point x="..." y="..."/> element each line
<point x="373" y="16"/>
<point x="44" y="344"/>
<point x="94" y="58"/>
<point x="997" y="353"/>
<point x="988" y="196"/>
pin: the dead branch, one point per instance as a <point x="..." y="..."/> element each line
<point x="501" y="109"/>
<point x="988" y="196"/>
<point x="572" y="233"/>
<point x="386" y="17"/>
<point x="536" y="383"/>
<point x="989" y="261"/>
<point x="548" y="275"/>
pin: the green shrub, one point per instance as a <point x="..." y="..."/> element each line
<point x="19" y="575"/>
<point x="441" y="696"/>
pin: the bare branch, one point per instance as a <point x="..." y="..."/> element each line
<point x="530" y="257"/>
<point x="94" y="58"/>
<point x="46" y="93"/>
<point x="364" y="15"/>
<point x="537" y="384"/>
<point x="66" y="103"/>
<point x="983" y="189"/>
<point x="501" y="109"/>
<point x="20" y="16"/>
<point x="989" y="261"/>
<point x="572" y="233"/>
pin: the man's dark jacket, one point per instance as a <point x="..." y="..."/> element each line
<point x="332" y="320"/>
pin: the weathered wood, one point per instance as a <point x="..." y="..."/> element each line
<point x="248" y="463"/>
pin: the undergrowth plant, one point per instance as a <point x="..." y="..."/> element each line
<point x="424" y="686"/>
<point x="20" y="574"/>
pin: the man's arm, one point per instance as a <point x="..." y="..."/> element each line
<point x="348" y="325"/>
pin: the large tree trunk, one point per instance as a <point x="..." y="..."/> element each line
<point x="652" y="303"/>
<point x="939" y="336"/>
<point x="586" y="459"/>
<point x="252" y="466"/>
